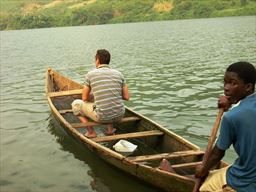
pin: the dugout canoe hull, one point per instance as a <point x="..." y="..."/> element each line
<point x="153" y="140"/>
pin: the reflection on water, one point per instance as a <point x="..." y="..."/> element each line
<point x="174" y="71"/>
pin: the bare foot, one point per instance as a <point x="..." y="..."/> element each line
<point x="110" y="131"/>
<point x="90" y="131"/>
<point x="90" y="135"/>
<point x="166" y="166"/>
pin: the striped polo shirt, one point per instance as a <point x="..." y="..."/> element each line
<point x="106" y="85"/>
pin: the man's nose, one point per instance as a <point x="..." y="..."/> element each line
<point x="226" y="87"/>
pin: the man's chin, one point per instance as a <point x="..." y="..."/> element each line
<point x="233" y="100"/>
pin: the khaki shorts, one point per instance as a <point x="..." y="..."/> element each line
<point x="216" y="181"/>
<point x="79" y="107"/>
<point x="87" y="109"/>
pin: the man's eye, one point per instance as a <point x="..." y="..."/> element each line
<point x="233" y="83"/>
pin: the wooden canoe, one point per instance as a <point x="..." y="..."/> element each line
<point x="154" y="141"/>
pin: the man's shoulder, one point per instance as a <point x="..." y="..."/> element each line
<point x="246" y="103"/>
<point x="109" y="71"/>
<point x="242" y="110"/>
<point x="249" y="103"/>
<point x="116" y="71"/>
<point x="92" y="71"/>
<point x="251" y="98"/>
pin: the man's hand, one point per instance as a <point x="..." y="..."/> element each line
<point x="224" y="102"/>
<point x="200" y="172"/>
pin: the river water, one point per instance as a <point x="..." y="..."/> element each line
<point x="174" y="70"/>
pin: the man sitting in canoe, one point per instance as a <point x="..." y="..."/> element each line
<point x="108" y="88"/>
<point x="238" y="127"/>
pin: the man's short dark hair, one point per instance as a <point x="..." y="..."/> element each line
<point x="103" y="55"/>
<point x="245" y="70"/>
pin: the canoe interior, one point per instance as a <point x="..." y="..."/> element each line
<point x="146" y="145"/>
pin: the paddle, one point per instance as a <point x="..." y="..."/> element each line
<point x="209" y="146"/>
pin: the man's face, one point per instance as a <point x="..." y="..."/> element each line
<point x="234" y="87"/>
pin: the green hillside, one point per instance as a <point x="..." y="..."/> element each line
<point x="26" y="14"/>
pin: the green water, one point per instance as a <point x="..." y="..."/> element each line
<point x="174" y="70"/>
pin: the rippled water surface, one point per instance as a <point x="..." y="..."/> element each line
<point x="174" y="70"/>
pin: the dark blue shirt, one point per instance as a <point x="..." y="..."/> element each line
<point x="238" y="127"/>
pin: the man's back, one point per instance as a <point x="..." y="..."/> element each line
<point x="106" y="85"/>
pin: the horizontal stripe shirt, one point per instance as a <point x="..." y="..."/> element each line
<point x="106" y="85"/>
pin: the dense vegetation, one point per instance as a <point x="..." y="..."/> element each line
<point x="26" y="14"/>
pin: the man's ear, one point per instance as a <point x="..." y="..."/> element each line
<point x="97" y="61"/>
<point x="249" y="87"/>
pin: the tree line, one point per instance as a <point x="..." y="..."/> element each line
<point x="111" y="11"/>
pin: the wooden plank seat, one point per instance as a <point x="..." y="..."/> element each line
<point x="165" y="155"/>
<point x="182" y="165"/>
<point x="128" y="136"/>
<point x="65" y="93"/>
<point x="92" y="123"/>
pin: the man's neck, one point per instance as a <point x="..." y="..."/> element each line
<point x="102" y="65"/>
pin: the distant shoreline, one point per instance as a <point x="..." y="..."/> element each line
<point x="16" y="15"/>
